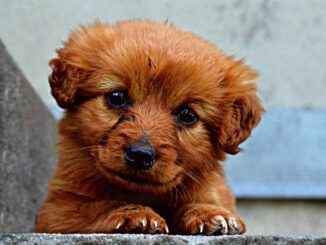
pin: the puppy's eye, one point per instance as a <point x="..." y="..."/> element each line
<point x="117" y="99"/>
<point x="186" y="116"/>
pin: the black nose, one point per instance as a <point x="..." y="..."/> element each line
<point x="141" y="157"/>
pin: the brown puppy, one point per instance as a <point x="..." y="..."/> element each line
<point x="151" y="112"/>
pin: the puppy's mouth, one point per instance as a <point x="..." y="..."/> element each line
<point x="139" y="180"/>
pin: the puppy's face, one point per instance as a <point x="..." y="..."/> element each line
<point x="152" y="105"/>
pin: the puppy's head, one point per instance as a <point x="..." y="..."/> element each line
<point x="153" y="105"/>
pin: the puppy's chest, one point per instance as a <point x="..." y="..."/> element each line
<point x="163" y="203"/>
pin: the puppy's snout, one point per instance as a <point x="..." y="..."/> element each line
<point x="140" y="157"/>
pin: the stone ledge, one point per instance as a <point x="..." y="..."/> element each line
<point x="58" y="239"/>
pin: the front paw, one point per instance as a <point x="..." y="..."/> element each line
<point x="136" y="219"/>
<point x="205" y="219"/>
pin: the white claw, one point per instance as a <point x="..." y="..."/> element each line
<point x="118" y="226"/>
<point x="233" y="225"/>
<point x="155" y="224"/>
<point x="219" y="220"/>
<point x="166" y="229"/>
<point x="143" y="222"/>
<point x="201" y="228"/>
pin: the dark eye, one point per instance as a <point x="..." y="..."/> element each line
<point x="186" y="116"/>
<point x="117" y="99"/>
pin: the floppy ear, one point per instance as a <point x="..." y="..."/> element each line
<point x="64" y="80"/>
<point x="245" y="108"/>
<point x="76" y="61"/>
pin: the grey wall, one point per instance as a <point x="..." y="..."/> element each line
<point x="283" y="40"/>
<point x="284" y="217"/>
<point x="27" y="158"/>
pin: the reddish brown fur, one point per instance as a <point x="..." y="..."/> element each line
<point x="162" y="68"/>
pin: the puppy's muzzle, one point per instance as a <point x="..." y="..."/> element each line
<point x="140" y="157"/>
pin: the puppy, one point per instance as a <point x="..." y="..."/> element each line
<point x="150" y="113"/>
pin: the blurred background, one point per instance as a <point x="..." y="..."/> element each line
<point x="280" y="178"/>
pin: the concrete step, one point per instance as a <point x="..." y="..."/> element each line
<point x="50" y="239"/>
<point x="26" y="148"/>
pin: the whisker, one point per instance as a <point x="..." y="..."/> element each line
<point x="198" y="181"/>
<point x="185" y="190"/>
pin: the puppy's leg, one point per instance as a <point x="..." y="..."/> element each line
<point x="74" y="214"/>
<point x="206" y="219"/>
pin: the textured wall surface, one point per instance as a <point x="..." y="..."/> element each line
<point x="26" y="148"/>
<point x="283" y="217"/>
<point x="283" y="40"/>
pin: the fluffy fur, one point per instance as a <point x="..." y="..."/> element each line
<point x="93" y="189"/>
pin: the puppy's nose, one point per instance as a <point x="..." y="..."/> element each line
<point x="140" y="157"/>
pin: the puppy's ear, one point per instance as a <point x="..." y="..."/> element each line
<point x="64" y="80"/>
<point x="245" y="109"/>
<point x="76" y="61"/>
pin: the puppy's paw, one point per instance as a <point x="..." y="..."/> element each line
<point x="202" y="219"/>
<point x="136" y="219"/>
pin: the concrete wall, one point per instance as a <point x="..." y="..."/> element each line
<point x="27" y="158"/>
<point x="283" y="40"/>
<point x="284" y="217"/>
